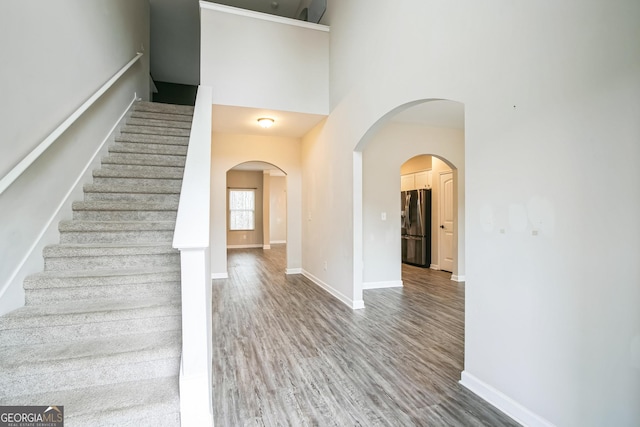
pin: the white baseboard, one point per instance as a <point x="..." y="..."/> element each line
<point x="266" y="246"/>
<point x="33" y="259"/>
<point x="278" y="242"/>
<point x="382" y="285"/>
<point x="457" y="278"/>
<point x="293" y="271"/>
<point x="434" y="267"/>
<point x="343" y="298"/>
<point x="503" y="402"/>
<point x="215" y="276"/>
<point x="251" y="246"/>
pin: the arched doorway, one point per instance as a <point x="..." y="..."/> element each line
<point x="256" y="205"/>
<point x="435" y="127"/>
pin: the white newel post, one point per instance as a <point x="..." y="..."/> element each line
<point x="195" y="377"/>
<point x="192" y="239"/>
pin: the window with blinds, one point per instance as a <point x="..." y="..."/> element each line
<point x="242" y="209"/>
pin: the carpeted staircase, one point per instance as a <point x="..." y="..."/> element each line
<point x="101" y="329"/>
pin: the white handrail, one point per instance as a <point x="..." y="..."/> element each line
<point x="24" y="164"/>
<point x="193" y="209"/>
<point x="192" y="238"/>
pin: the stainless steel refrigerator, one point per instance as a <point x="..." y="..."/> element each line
<point x="416" y="227"/>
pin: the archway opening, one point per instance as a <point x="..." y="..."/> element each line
<point x="432" y="127"/>
<point x="256" y="214"/>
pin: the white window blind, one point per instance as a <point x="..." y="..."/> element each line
<point x="242" y="209"/>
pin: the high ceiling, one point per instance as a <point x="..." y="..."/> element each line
<point x="243" y="121"/>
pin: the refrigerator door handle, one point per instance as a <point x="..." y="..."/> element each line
<point x="420" y="223"/>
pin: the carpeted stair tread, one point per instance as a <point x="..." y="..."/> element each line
<point x="103" y="249"/>
<point x="87" y="226"/>
<point x="105" y="205"/>
<point x="158" y="107"/>
<point x="54" y="286"/>
<point x="67" y="365"/>
<point x="136" y="121"/>
<point x="33" y="324"/>
<point x="85" y="311"/>
<point x="148" y="148"/>
<point x="156" y="130"/>
<point x="107" y="277"/>
<point x="143" y="160"/>
<point x="143" y="138"/>
<point x="153" y="402"/>
<point x="75" y="231"/>
<point x="149" y="172"/>
<point x="171" y="188"/>
<point x="161" y="116"/>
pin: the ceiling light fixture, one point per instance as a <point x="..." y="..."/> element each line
<point x="265" y="122"/>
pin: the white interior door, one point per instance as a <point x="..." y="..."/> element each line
<point x="446" y="237"/>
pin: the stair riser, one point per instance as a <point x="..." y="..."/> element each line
<point x="153" y="130"/>
<point x="87" y="328"/>
<point x="100" y="374"/>
<point x="124" y="215"/>
<point x="109" y="261"/>
<point x="143" y="148"/>
<point x="116" y="236"/>
<point x="137" y="291"/>
<point x="139" y="182"/>
<point x="167" y="124"/>
<point x="132" y="197"/>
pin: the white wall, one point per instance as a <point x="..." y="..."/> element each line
<point x="55" y="56"/>
<point x="278" y="208"/>
<point x="551" y="94"/>
<point x="175" y="41"/>
<point x="263" y="61"/>
<point x="228" y="151"/>
<point x="383" y="156"/>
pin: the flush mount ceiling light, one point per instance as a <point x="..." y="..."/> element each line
<point x="265" y="122"/>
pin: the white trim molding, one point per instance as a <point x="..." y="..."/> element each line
<point x="216" y="276"/>
<point x="343" y="298"/>
<point x="503" y="402"/>
<point x="278" y="242"/>
<point x="434" y="267"/>
<point x="252" y="246"/>
<point x="382" y="285"/>
<point x="293" y="271"/>
<point x="266" y="246"/>
<point x="457" y="278"/>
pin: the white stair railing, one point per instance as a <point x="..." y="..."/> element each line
<point x="192" y="238"/>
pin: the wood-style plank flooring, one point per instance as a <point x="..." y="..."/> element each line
<point x="285" y="352"/>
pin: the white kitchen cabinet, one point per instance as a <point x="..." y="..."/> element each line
<point x="416" y="180"/>
<point x="407" y="182"/>
<point x="423" y="179"/>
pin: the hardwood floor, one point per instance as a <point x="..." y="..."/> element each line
<point x="285" y="352"/>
